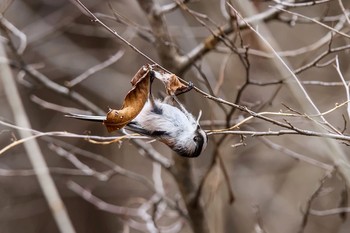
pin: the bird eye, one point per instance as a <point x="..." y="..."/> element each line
<point x="195" y="138"/>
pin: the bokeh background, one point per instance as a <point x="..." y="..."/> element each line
<point x="276" y="187"/>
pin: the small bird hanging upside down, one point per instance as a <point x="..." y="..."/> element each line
<point x="173" y="126"/>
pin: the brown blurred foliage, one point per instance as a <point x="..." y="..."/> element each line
<point x="279" y="182"/>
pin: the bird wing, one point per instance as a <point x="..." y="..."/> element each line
<point x="135" y="127"/>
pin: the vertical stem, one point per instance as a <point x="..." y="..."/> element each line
<point x="188" y="188"/>
<point x="33" y="150"/>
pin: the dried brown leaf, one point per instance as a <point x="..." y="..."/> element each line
<point x="171" y="82"/>
<point x="133" y="102"/>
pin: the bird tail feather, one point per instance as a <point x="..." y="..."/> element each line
<point x="86" y="117"/>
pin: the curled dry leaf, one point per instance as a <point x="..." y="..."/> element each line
<point x="171" y="82"/>
<point x="133" y="102"/>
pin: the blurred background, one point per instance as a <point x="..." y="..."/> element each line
<point x="63" y="61"/>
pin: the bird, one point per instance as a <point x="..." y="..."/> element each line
<point x="161" y="120"/>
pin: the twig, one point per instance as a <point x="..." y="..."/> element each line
<point x="295" y="131"/>
<point x="126" y="212"/>
<point x="294" y="19"/>
<point x="47" y="82"/>
<point x="52" y="170"/>
<point x="21" y="36"/>
<point x="77" y="163"/>
<point x="62" y="90"/>
<point x="87" y="12"/>
<point x="115" y="209"/>
<point x="154" y="155"/>
<point x="58" y="108"/>
<point x="258" y="115"/>
<point x="172" y="6"/>
<point x="322" y="41"/>
<point x="301" y="4"/>
<point x="143" y="31"/>
<point x="344" y="10"/>
<point x="102" y="160"/>
<point x="317" y="22"/>
<point x="95" y="69"/>
<point x="151" y="153"/>
<point x="311" y="199"/>
<point x="320" y="83"/>
<point x="330" y="211"/>
<point x="295" y="155"/>
<point x="35" y="134"/>
<point x="346" y="86"/>
<point x="117" y="170"/>
<point x="209" y="43"/>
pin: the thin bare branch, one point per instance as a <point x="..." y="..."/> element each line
<point x="301" y="4"/>
<point x="296" y="155"/>
<point x="329" y="212"/>
<point x="20" y="35"/>
<point x="115" y="209"/>
<point x="340" y="2"/>
<point x="346" y="85"/>
<point x="77" y="163"/>
<point x="317" y="22"/>
<point x="52" y="170"/>
<point x="320" y="57"/>
<point x="95" y="69"/>
<point x="212" y="41"/>
<point x="56" y="107"/>
<point x="126" y="213"/>
<point x="311" y="199"/>
<point x="61" y="89"/>
<point x="88" y="13"/>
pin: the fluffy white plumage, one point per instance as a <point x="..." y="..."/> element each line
<point x="176" y="128"/>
